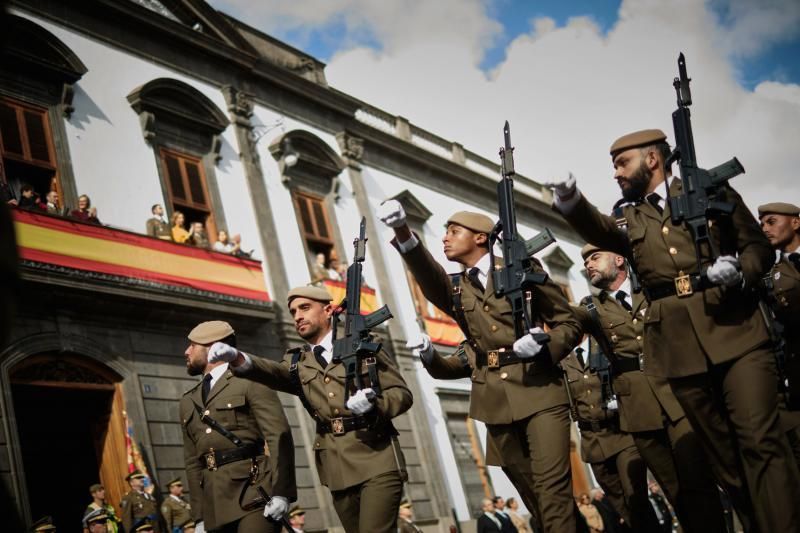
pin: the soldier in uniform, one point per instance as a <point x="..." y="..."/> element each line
<point x="648" y="410"/>
<point x="357" y="453"/>
<point x="175" y="509"/>
<point x="405" y="518"/>
<point x="157" y="226"/>
<point x="297" y="519"/>
<point x="95" y="521"/>
<point x="137" y="504"/>
<point x="703" y="330"/>
<point x="517" y="386"/>
<point x="237" y="443"/>
<point x="43" y="525"/>
<point x="781" y="224"/>
<point x="612" y="454"/>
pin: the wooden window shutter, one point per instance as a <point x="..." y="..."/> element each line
<point x="9" y="130"/>
<point x="195" y="182"/>
<point x="320" y="220"/>
<point x="37" y="136"/>
<point x="173" y="168"/>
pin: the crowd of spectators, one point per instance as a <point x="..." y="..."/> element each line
<point x="29" y="199"/>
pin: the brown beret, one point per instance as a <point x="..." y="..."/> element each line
<point x="589" y="249"/>
<point x="210" y="332"/>
<point x="296" y="510"/>
<point x="94" y="488"/>
<point x="311" y="292"/>
<point x="778" y="208"/>
<point x="637" y="139"/>
<point x="472" y="221"/>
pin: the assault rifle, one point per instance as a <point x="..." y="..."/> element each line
<point x="357" y="344"/>
<point x="599" y="363"/>
<point x="702" y="198"/>
<point x="515" y="280"/>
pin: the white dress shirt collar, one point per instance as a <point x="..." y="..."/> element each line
<point x="216" y="373"/>
<point x="483" y="265"/>
<point x="327" y="344"/>
<point x="626" y="286"/>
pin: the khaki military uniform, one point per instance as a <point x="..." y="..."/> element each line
<point x="175" y="512"/>
<point x="159" y="229"/>
<point x="254" y="414"/>
<point x="138" y="506"/>
<point x="612" y="454"/>
<point x="364" y="468"/>
<point x="406" y="526"/>
<point x="712" y="345"/>
<point x="649" y="411"/>
<point x="524" y="405"/>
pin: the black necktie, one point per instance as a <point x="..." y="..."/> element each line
<point x="318" y="354"/>
<point x="206" y="387"/>
<point x="653" y="199"/>
<point x="620" y="296"/>
<point x="472" y="274"/>
<point x="794" y="258"/>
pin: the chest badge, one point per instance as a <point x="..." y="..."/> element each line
<point x="777" y="276"/>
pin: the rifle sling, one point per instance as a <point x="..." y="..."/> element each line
<point x="216" y="426"/>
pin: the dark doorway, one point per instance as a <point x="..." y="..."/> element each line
<point x="61" y="430"/>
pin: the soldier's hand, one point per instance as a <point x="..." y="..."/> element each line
<point x="725" y="271"/>
<point x="361" y="401"/>
<point x="276" y="507"/>
<point x="221" y="352"/>
<point x="526" y="346"/>
<point x="200" y="527"/>
<point x="391" y="213"/>
<point x="420" y="345"/>
<point x="565" y="188"/>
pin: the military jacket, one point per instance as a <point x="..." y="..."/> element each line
<point x="356" y="456"/>
<point x="513" y="392"/>
<point x="405" y="526"/>
<point x="682" y="333"/>
<point x="643" y="399"/>
<point x="158" y="228"/>
<point x="137" y="506"/>
<point x="253" y="413"/>
<point x="175" y="513"/>
<point x="585" y="387"/>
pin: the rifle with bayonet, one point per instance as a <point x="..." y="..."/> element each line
<point x="516" y="278"/>
<point x="703" y="197"/>
<point x="357" y="345"/>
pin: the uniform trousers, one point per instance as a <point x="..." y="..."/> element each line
<point x="733" y="409"/>
<point x="254" y="522"/>
<point x="675" y="457"/>
<point x="371" y="506"/>
<point x="623" y="478"/>
<point x="544" y="439"/>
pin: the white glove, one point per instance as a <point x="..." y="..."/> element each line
<point x="200" y="527"/>
<point x="420" y="345"/>
<point x="612" y="405"/>
<point x="526" y="347"/>
<point x="564" y="188"/>
<point x="725" y="271"/>
<point x="391" y="213"/>
<point x="221" y="352"/>
<point x="275" y="509"/>
<point x="361" y="401"/>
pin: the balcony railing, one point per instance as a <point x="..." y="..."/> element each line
<point x="93" y="252"/>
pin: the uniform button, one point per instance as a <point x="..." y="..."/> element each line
<point x="327" y="379"/>
<point x="665" y="230"/>
<point x="638" y="337"/>
<point x="586" y="376"/>
<point x="208" y="430"/>
<point x="331" y="395"/>
<point x="588" y="392"/>
<point x="207" y="412"/>
<point x="229" y="406"/>
<point x="591" y="406"/>
<point x="494" y="327"/>
<point x="486" y="308"/>
<point x="336" y="411"/>
<point x="673" y="250"/>
<point x="316" y="445"/>
<point x="504" y="375"/>
<point x="635" y="320"/>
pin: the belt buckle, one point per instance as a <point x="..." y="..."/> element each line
<point x="641" y="362"/>
<point x="493" y="358"/>
<point x="337" y="426"/>
<point x="211" y="460"/>
<point x="683" y="286"/>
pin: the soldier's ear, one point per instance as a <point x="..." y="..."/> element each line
<point x="481" y="239"/>
<point x="796" y="224"/>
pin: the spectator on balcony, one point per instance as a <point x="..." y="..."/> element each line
<point x="6" y="194"/>
<point x="85" y="212"/>
<point x="225" y="245"/>
<point x="157" y="226"/>
<point x="335" y="269"/>
<point x="198" y="236"/>
<point x="53" y="206"/>
<point x="319" y="272"/>
<point x="28" y="198"/>
<point x="179" y="233"/>
<point x="237" y="240"/>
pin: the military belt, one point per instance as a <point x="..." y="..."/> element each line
<point x="626" y="364"/>
<point x="341" y="425"/>
<point x="681" y="286"/>
<point x="497" y="358"/>
<point x="596" y="425"/>
<point x="214" y="459"/>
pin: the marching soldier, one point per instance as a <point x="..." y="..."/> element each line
<point x="781" y="224"/>
<point x="703" y="330"/>
<point x="237" y="443"/>
<point x="516" y="390"/>
<point x="44" y="524"/>
<point x="357" y="453"/>
<point x="648" y="410"/>
<point x="137" y="504"/>
<point x="297" y="519"/>
<point x="405" y="518"/>
<point x="175" y="509"/>
<point x="612" y="454"/>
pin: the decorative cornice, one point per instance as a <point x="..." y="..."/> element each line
<point x="352" y="147"/>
